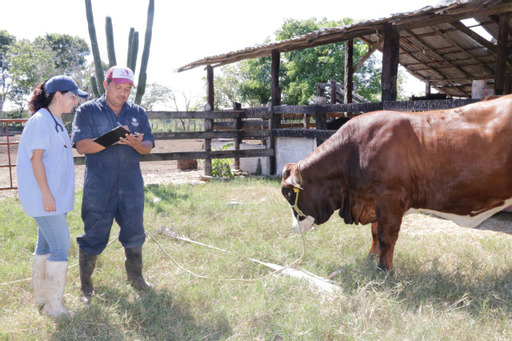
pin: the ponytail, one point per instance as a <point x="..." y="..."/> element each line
<point x="40" y="99"/>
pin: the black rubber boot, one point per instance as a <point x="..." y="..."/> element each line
<point x="133" y="266"/>
<point x="87" y="264"/>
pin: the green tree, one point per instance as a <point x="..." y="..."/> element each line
<point x="31" y="63"/>
<point x="70" y="54"/>
<point x="6" y="40"/>
<point x="300" y="70"/>
<point x="30" y="66"/>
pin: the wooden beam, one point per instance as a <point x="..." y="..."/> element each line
<point x="453" y="42"/>
<point x="349" y="71"/>
<point x="238" y="126"/>
<point x="215" y="134"/>
<point x="276" y="91"/>
<point x="208" y="127"/>
<point x="333" y="91"/>
<point x="364" y="58"/>
<point x="210" y="92"/>
<point x="501" y="58"/>
<point x="390" y="64"/>
<point x="473" y="35"/>
<point x="275" y="121"/>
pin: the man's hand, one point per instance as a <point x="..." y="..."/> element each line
<point x="135" y="141"/>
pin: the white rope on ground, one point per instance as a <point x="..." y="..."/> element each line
<point x="173" y="235"/>
<point x="321" y="283"/>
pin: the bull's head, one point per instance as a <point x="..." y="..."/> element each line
<point x="292" y="188"/>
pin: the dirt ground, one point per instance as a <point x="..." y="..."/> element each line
<point x="167" y="172"/>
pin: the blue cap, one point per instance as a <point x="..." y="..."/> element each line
<point x="63" y="83"/>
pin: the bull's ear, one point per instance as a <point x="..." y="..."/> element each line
<point x="286" y="170"/>
<point x="286" y="173"/>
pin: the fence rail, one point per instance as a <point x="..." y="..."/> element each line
<point x="257" y="123"/>
<point x="4" y="129"/>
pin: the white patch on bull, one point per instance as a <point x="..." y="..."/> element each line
<point x="461" y="220"/>
<point x="304" y="225"/>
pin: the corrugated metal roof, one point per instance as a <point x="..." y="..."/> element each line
<point x="435" y="45"/>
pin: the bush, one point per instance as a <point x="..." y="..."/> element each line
<point x="222" y="167"/>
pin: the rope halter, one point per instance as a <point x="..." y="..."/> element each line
<point x="297" y="188"/>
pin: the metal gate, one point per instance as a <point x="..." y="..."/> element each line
<point x="7" y="142"/>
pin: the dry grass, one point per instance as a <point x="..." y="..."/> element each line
<point x="448" y="283"/>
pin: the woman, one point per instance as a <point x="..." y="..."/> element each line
<point x="46" y="184"/>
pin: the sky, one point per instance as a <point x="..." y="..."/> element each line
<point x="185" y="30"/>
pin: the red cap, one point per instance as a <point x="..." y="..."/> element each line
<point x="120" y="75"/>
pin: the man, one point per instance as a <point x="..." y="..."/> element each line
<point x="113" y="187"/>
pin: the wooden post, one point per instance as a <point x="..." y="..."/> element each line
<point x="428" y="89"/>
<point x="501" y="58"/>
<point x="208" y="123"/>
<point x="333" y="91"/>
<point x="390" y="64"/>
<point x="275" y="121"/>
<point x="238" y="126"/>
<point x="276" y="92"/>
<point x="349" y="71"/>
<point x="321" y="124"/>
<point x="209" y="86"/>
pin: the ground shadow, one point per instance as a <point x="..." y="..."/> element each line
<point x="162" y="196"/>
<point x="414" y="287"/>
<point x="500" y="222"/>
<point x="153" y="315"/>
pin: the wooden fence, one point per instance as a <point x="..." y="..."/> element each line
<point x="267" y="124"/>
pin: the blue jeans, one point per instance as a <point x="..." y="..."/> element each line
<point x="53" y="237"/>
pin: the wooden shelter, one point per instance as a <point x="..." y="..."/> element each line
<point x="439" y="45"/>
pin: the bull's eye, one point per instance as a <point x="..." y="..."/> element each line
<point x="288" y="193"/>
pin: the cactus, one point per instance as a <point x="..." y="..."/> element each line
<point x="145" y="53"/>
<point x="109" y="31"/>
<point x="130" y="39"/>
<point x="133" y="47"/>
<point x="94" y="86"/>
<point x="141" y="87"/>
<point x="94" y="45"/>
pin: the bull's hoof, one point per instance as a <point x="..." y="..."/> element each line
<point x="384" y="268"/>
<point x="373" y="254"/>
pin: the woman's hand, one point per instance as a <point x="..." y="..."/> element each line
<point x="49" y="202"/>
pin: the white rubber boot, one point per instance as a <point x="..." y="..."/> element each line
<point x="38" y="276"/>
<point x="56" y="273"/>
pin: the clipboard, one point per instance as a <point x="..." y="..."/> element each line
<point x="112" y="137"/>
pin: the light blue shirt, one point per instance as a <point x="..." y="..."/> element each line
<point x="40" y="133"/>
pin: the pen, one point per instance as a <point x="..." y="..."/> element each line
<point x="134" y="133"/>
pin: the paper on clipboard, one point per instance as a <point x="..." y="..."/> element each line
<point x="112" y="137"/>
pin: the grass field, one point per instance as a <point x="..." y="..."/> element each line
<point x="445" y="286"/>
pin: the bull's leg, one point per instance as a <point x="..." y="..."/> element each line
<point x="389" y="219"/>
<point x="388" y="236"/>
<point x="375" y="249"/>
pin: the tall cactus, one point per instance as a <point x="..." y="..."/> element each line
<point x="141" y="87"/>
<point x="94" y="46"/>
<point x="130" y="42"/>
<point x="109" y="31"/>
<point x="133" y="47"/>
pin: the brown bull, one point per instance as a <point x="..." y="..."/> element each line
<point x="456" y="163"/>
